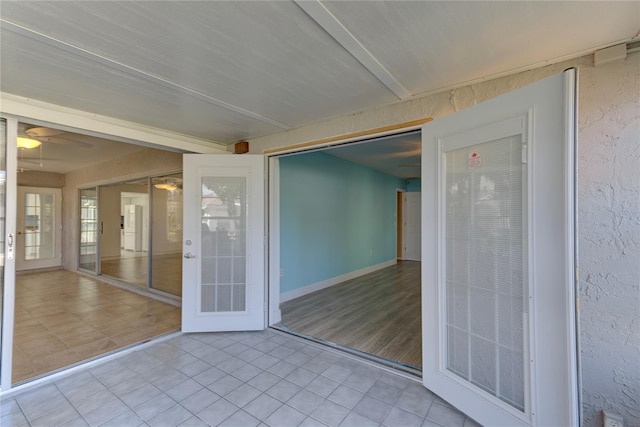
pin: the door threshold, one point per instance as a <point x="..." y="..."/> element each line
<point x="398" y="367"/>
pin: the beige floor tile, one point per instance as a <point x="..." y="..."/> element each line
<point x="63" y="318"/>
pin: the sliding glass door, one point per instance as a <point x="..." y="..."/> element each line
<point x="132" y="231"/>
<point x="88" y="230"/>
<point x="166" y="234"/>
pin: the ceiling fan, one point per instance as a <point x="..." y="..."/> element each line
<point x="29" y="137"/>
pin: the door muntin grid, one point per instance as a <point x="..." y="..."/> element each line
<point x="485" y="267"/>
<point x="223" y="262"/>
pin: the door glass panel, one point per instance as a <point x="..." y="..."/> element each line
<point x="223" y="261"/>
<point x="166" y="237"/>
<point x="39" y="223"/>
<point x="486" y="266"/>
<point x="88" y="229"/>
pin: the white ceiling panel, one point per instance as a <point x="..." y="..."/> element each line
<point x="429" y="45"/>
<point x="76" y="82"/>
<point x="230" y="70"/>
<point x="264" y="57"/>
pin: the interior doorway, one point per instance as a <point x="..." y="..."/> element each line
<point x="345" y="277"/>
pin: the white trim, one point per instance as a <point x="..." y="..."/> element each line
<point x="103" y="126"/>
<point x="305" y="290"/>
<point x="571" y="144"/>
<point x="9" y="296"/>
<point x="273" y="294"/>
<point x="345" y="38"/>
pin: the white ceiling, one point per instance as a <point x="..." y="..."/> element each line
<point x="228" y="70"/>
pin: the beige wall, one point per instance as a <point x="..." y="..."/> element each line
<point x="138" y="165"/>
<point x="608" y="210"/>
<point x="41" y="179"/>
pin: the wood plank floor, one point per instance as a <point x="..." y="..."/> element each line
<point x="62" y="318"/>
<point x="378" y="313"/>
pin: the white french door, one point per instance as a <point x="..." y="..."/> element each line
<point x="498" y="257"/>
<point x="223" y="243"/>
<point x="39" y="224"/>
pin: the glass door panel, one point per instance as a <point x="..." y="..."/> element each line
<point x="88" y="229"/>
<point x="166" y="234"/>
<point x="223" y="261"/>
<point x="486" y="267"/>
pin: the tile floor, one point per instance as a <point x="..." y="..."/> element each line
<point x="62" y="318"/>
<point x="231" y="379"/>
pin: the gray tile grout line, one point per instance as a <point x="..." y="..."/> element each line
<point x="234" y="339"/>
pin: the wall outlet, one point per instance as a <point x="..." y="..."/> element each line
<point x="282" y="272"/>
<point x="370" y="252"/>
<point x="612" y="420"/>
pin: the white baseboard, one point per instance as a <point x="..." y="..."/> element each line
<point x="297" y="293"/>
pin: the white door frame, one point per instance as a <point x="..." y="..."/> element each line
<point x="273" y="205"/>
<point x="8" y="299"/>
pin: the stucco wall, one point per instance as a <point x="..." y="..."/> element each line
<point x="609" y="212"/>
<point x="41" y="179"/>
<point x="144" y="163"/>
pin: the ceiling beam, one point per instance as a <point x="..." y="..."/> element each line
<point x="328" y="22"/>
<point x="83" y="53"/>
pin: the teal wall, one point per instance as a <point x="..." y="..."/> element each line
<point x="414" y="185"/>
<point x="332" y="214"/>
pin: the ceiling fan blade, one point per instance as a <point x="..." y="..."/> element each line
<point x="39" y="132"/>
<point x="65" y="141"/>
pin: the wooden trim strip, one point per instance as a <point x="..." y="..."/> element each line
<point x="352" y="135"/>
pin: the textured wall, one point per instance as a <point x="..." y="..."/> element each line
<point x="41" y="179"/>
<point x="609" y="239"/>
<point x="609" y="219"/>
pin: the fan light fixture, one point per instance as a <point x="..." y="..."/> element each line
<point x="28" y="143"/>
<point x="166" y="186"/>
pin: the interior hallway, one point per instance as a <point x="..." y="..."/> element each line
<point x="62" y="318"/>
<point x="377" y="313"/>
<point x="232" y="379"/>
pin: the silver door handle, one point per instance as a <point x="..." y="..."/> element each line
<point x="189" y="255"/>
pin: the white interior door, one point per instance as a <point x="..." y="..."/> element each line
<point x="498" y="257"/>
<point x="411" y="229"/>
<point x="39" y="223"/>
<point x="223" y="243"/>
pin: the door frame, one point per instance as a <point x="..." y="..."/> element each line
<point x="8" y="300"/>
<point x="273" y="198"/>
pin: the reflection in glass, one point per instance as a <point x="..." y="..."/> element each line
<point x="166" y="239"/>
<point x="223" y="261"/>
<point x="124" y="231"/>
<point x="486" y="266"/>
<point x="88" y="229"/>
